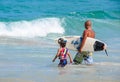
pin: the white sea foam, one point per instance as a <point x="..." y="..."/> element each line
<point x="108" y="64"/>
<point x="39" y="27"/>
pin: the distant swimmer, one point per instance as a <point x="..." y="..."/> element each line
<point x="62" y="53"/>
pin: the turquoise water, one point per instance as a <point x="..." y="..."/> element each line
<point x="28" y="29"/>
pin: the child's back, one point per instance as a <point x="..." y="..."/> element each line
<point x="62" y="53"/>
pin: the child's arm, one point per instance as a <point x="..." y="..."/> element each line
<point x="70" y="57"/>
<point x="58" y="52"/>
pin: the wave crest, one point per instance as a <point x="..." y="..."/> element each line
<point x="40" y="27"/>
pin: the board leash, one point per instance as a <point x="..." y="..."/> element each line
<point x="106" y="52"/>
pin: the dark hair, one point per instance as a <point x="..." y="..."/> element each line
<point x="62" y="42"/>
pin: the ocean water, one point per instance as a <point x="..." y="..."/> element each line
<point x="28" y="29"/>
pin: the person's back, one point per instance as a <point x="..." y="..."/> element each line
<point x="62" y="54"/>
<point x="86" y="56"/>
<point x="89" y="32"/>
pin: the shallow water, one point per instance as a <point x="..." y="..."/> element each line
<point x="30" y="63"/>
<point x="28" y="29"/>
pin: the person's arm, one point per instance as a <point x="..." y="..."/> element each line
<point x="58" y="52"/>
<point x="70" y="57"/>
<point x="83" y="40"/>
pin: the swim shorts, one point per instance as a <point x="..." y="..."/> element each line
<point x="86" y="56"/>
<point x="62" y="63"/>
<point x="88" y="59"/>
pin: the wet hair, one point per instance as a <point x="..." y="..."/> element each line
<point x="62" y="42"/>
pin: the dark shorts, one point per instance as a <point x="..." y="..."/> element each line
<point x="62" y="63"/>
